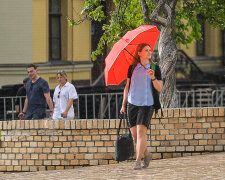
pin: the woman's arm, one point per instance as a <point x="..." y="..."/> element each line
<point x="158" y="84"/>
<point x="125" y="94"/>
<point x="70" y="102"/>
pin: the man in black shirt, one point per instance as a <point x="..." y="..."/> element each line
<point x="21" y="92"/>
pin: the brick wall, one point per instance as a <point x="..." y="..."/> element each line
<point x="47" y="145"/>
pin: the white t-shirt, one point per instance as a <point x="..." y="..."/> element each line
<point x="61" y="98"/>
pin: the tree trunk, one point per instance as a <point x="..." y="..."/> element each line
<point x="166" y="47"/>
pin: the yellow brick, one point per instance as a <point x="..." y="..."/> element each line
<point x="160" y="138"/>
<point x="190" y="148"/>
<point x="64" y="150"/>
<point x="78" y="138"/>
<point x="106" y="124"/>
<point x="61" y="124"/>
<point x="108" y="143"/>
<point x="79" y="156"/>
<point x="179" y="126"/>
<point x="98" y="156"/>
<point x="173" y="120"/>
<point x="202" y="142"/>
<point x="221" y="111"/>
<point x="34" y="156"/>
<point x="38" y="150"/>
<point x="49" y="144"/>
<point x="30" y="162"/>
<point x="170" y="113"/>
<point x="85" y="132"/>
<point x="199" y="112"/>
<point x="173" y="131"/>
<point x="83" y="124"/>
<point x="88" y="144"/>
<point x="62" y="138"/>
<point x="93" y="131"/>
<point x="86" y="138"/>
<point x="183" y="131"/>
<point x="169" y="126"/>
<point x="103" y="162"/>
<point x="37" y="138"/>
<point x="95" y="124"/>
<point x="100" y="124"/>
<point x="179" y="137"/>
<point x="41" y="144"/>
<point x="89" y="124"/>
<point x="51" y="156"/>
<point x="176" y="112"/>
<point x="220" y="119"/>
<point x="182" y="113"/>
<point x="46" y="150"/>
<point x="222" y="124"/>
<point x="92" y="149"/>
<point x="80" y="143"/>
<point x="67" y="124"/>
<point x="74" y="162"/>
<point x="60" y="156"/>
<point x="83" y="162"/>
<point x="112" y="123"/>
<point x="66" y="144"/>
<point x="210" y="111"/>
<point x="59" y="167"/>
<point x="220" y="130"/>
<point x="98" y="143"/>
<point x="105" y="137"/>
<point x="82" y="149"/>
<point x="38" y="162"/>
<point x="103" y="131"/>
<point x="67" y="132"/>
<point x="93" y="162"/>
<point x="170" y="137"/>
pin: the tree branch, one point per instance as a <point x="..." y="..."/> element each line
<point x="145" y="11"/>
<point x="155" y="17"/>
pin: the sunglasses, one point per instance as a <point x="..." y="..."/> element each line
<point x="59" y="94"/>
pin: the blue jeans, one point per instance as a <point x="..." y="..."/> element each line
<point x="35" y="116"/>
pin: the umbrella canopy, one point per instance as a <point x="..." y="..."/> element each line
<point x="121" y="56"/>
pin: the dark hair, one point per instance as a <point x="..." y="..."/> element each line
<point x="25" y="80"/>
<point x="136" y="58"/>
<point x="32" y="65"/>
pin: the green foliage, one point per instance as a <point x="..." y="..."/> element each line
<point x="127" y="15"/>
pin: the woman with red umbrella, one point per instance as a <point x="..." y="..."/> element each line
<point x="140" y="97"/>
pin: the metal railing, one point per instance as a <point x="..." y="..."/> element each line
<point x="107" y="105"/>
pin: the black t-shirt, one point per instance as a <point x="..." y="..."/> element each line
<point x="21" y="92"/>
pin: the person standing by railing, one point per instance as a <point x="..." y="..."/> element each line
<point x="21" y="92"/>
<point x="37" y="94"/>
<point x="63" y="97"/>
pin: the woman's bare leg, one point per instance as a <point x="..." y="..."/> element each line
<point x="141" y="145"/>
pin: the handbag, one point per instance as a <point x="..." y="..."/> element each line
<point x="124" y="147"/>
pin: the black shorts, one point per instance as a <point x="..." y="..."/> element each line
<point x="138" y="115"/>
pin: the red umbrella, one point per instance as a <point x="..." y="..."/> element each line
<point x="120" y="57"/>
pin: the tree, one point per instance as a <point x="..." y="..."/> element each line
<point x="176" y="20"/>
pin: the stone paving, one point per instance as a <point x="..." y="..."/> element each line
<point x="200" y="167"/>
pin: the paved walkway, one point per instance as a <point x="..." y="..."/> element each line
<point x="209" y="166"/>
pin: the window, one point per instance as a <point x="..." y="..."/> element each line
<point x="54" y="30"/>
<point x="200" y="44"/>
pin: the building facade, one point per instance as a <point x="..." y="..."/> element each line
<point x="37" y="31"/>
